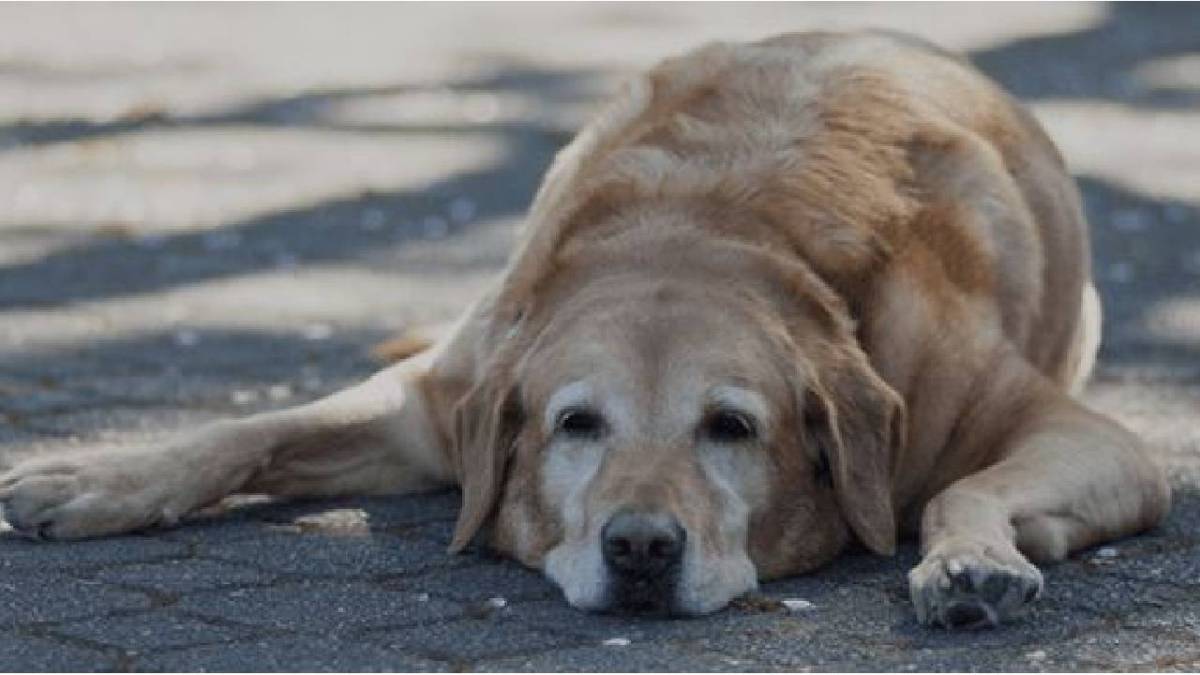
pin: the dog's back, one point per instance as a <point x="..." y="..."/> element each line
<point x="856" y="148"/>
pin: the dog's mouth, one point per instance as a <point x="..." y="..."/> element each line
<point x="650" y="596"/>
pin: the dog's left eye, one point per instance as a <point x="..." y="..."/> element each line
<point x="580" y="423"/>
<point x="729" y="426"/>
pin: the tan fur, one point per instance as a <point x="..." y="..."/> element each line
<point x="860" y="231"/>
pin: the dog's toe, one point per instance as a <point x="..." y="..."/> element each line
<point x="29" y="502"/>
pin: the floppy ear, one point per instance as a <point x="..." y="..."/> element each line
<point x="486" y="423"/>
<point x="859" y="422"/>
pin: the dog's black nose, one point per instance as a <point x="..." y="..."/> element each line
<point x="642" y="544"/>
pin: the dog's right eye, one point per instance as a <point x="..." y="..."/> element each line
<point x="580" y="423"/>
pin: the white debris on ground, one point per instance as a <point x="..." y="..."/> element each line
<point x="279" y="392"/>
<point x="497" y="603"/>
<point x="1107" y="552"/>
<point x="616" y="642"/>
<point x="798" y="605"/>
<point x="243" y="396"/>
<point x="1037" y="655"/>
<point x="339" y="522"/>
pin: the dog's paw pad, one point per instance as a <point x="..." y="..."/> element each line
<point x="970" y="586"/>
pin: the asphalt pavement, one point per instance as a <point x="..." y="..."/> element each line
<point x="209" y="210"/>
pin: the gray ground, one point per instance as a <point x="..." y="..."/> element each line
<point x="209" y="210"/>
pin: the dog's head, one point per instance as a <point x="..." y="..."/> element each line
<point x="661" y="445"/>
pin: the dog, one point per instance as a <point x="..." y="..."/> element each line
<point x="777" y="299"/>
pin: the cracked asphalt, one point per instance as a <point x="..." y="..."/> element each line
<point x="207" y="210"/>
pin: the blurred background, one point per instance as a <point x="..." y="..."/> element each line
<point x="211" y="209"/>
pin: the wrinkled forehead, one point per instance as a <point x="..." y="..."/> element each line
<point x="659" y="347"/>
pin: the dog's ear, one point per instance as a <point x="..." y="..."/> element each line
<point x="858" y="422"/>
<point x="486" y="423"/>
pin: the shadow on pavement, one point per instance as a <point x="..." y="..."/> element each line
<point x="159" y="381"/>
<point x="115" y="267"/>
<point x="1099" y="63"/>
<point x="1145" y="252"/>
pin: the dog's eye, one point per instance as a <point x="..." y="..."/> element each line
<point x="580" y="423"/>
<point x="729" y="426"/>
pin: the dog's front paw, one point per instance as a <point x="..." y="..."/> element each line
<point x="84" y="495"/>
<point x="967" y="584"/>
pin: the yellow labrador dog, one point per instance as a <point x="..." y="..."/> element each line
<point x="776" y="298"/>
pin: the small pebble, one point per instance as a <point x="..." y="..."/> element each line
<point x="497" y="603"/>
<point x="616" y="642"/>
<point x="422" y="597"/>
<point x="1107" y="552"/>
<point x="797" y="605"/>
<point x="243" y="396"/>
<point x="1038" y="655"/>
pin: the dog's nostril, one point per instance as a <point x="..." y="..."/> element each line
<point x="664" y="548"/>
<point x="642" y="544"/>
<point x="620" y="547"/>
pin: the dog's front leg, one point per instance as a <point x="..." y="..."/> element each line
<point x="379" y="436"/>
<point x="1067" y="478"/>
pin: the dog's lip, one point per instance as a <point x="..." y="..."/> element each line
<point x="645" y="596"/>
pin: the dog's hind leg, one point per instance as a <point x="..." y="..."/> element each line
<point x="1066" y="478"/>
<point x="389" y="434"/>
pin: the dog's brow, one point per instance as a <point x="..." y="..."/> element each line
<point x="737" y="398"/>
<point x="573" y="394"/>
